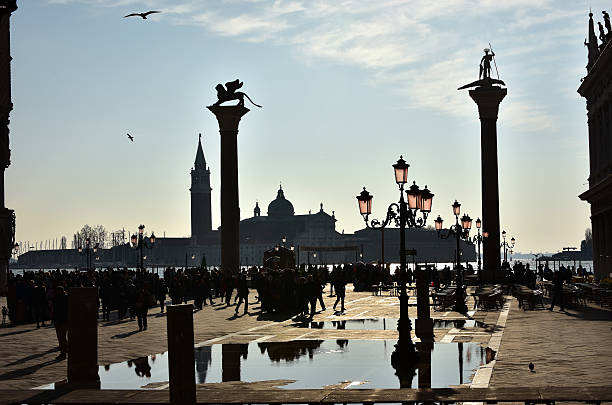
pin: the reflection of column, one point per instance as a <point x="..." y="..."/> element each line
<point x="228" y="118"/>
<point x="180" y="354"/>
<point x="488" y="99"/>
<point x="7" y="231"/>
<point x="203" y="358"/>
<point x="425" y="349"/>
<point x="230" y="360"/>
<point x="460" y="348"/>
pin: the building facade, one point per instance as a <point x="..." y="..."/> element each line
<point x="596" y="88"/>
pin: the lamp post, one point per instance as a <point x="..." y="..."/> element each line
<point x="505" y="245"/>
<point x="87" y="250"/>
<point x="459" y="231"/>
<point x="141" y="243"/>
<point x="402" y="214"/>
<point x="478" y="240"/>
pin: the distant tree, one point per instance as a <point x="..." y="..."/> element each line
<point x="96" y="235"/>
<point x="63" y="242"/>
<point x="586" y="246"/>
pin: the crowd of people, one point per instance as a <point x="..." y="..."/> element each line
<point x="32" y="295"/>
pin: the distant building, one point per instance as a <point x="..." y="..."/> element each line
<point x="313" y="237"/>
<point x="596" y="88"/>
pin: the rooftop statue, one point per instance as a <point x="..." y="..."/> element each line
<point x="606" y="18"/>
<point x="229" y="93"/>
<point x="602" y="35"/>
<point x="484" y="75"/>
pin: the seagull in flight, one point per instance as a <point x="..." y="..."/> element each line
<point x="130" y="137"/>
<point x="143" y="15"/>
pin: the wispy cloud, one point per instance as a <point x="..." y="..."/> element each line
<point x="415" y="43"/>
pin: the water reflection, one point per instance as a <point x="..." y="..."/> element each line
<point x="384" y="324"/>
<point x="142" y="367"/>
<point x="230" y="360"/>
<point x="310" y="363"/>
<point x="203" y="359"/>
<point x="289" y="351"/>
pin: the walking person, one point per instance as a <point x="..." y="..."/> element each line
<point x="340" y="285"/>
<point x="141" y="307"/>
<point x="60" y="321"/>
<point x="557" y="291"/>
<point x="242" y="294"/>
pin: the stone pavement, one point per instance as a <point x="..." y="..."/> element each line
<point x="27" y="354"/>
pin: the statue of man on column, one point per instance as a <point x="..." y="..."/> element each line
<point x="485" y="64"/>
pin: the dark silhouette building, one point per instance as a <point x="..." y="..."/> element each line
<point x="313" y="236"/>
<point x="7" y="216"/>
<point x="201" y="215"/>
<point x="596" y="88"/>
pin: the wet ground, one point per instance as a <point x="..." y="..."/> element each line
<point x="300" y="364"/>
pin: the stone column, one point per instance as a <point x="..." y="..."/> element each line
<point x="488" y="99"/>
<point x="83" y="338"/>
<point x="181" y="358"/>
<point x="228" y="118"/>
<point x="7" y="223"/>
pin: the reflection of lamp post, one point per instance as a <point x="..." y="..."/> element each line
<point x="505" y="245"/>
<point x="402" y="214"/>
<point x="459" y="231"/>
<point x="141" y="243"/>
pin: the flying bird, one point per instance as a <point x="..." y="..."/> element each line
<point x="130" y="137"/>
<point x="531" y="367"/>
<point x="143" y="15"/>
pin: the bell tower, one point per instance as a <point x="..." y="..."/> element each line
<point x="201" y="217"/>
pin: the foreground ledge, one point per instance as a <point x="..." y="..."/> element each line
<point x="313" y="396"/>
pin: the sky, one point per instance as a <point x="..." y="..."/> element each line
<point x="346" y="87"/>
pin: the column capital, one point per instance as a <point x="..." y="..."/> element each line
<point x="228" y="117"/>
<point x="488" y="99"/>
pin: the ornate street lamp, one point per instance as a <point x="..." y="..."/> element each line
<point x="459" y="231"/>
<point x="505" y="245"/>
<point x="141" y="243"/>
<point x="477" y="239"/>
<point x="87" y="251"/>
<point x="402" y="214"/>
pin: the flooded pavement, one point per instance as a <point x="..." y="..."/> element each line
<point x="384" y="324"/>
<point x="302" y="364"/>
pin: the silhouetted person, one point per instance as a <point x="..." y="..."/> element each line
<point x="60" y="320"/>
<point x="243" y="294"/>
<point x="4" y="314"/>
<point x="340" y="285"/>
<point x="141" y="307"/>
<point x="160" y="294"/>
<point x="557" y="291"/>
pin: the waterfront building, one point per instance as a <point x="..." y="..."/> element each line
<point x="313" y="236"/>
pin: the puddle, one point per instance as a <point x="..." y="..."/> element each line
<point x="384" y="324"/>
<point x="305" y="363"/>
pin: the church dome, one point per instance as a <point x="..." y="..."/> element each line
<point x="280" y="207"/>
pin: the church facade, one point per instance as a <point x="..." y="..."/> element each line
<point x="313" y="236"/>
